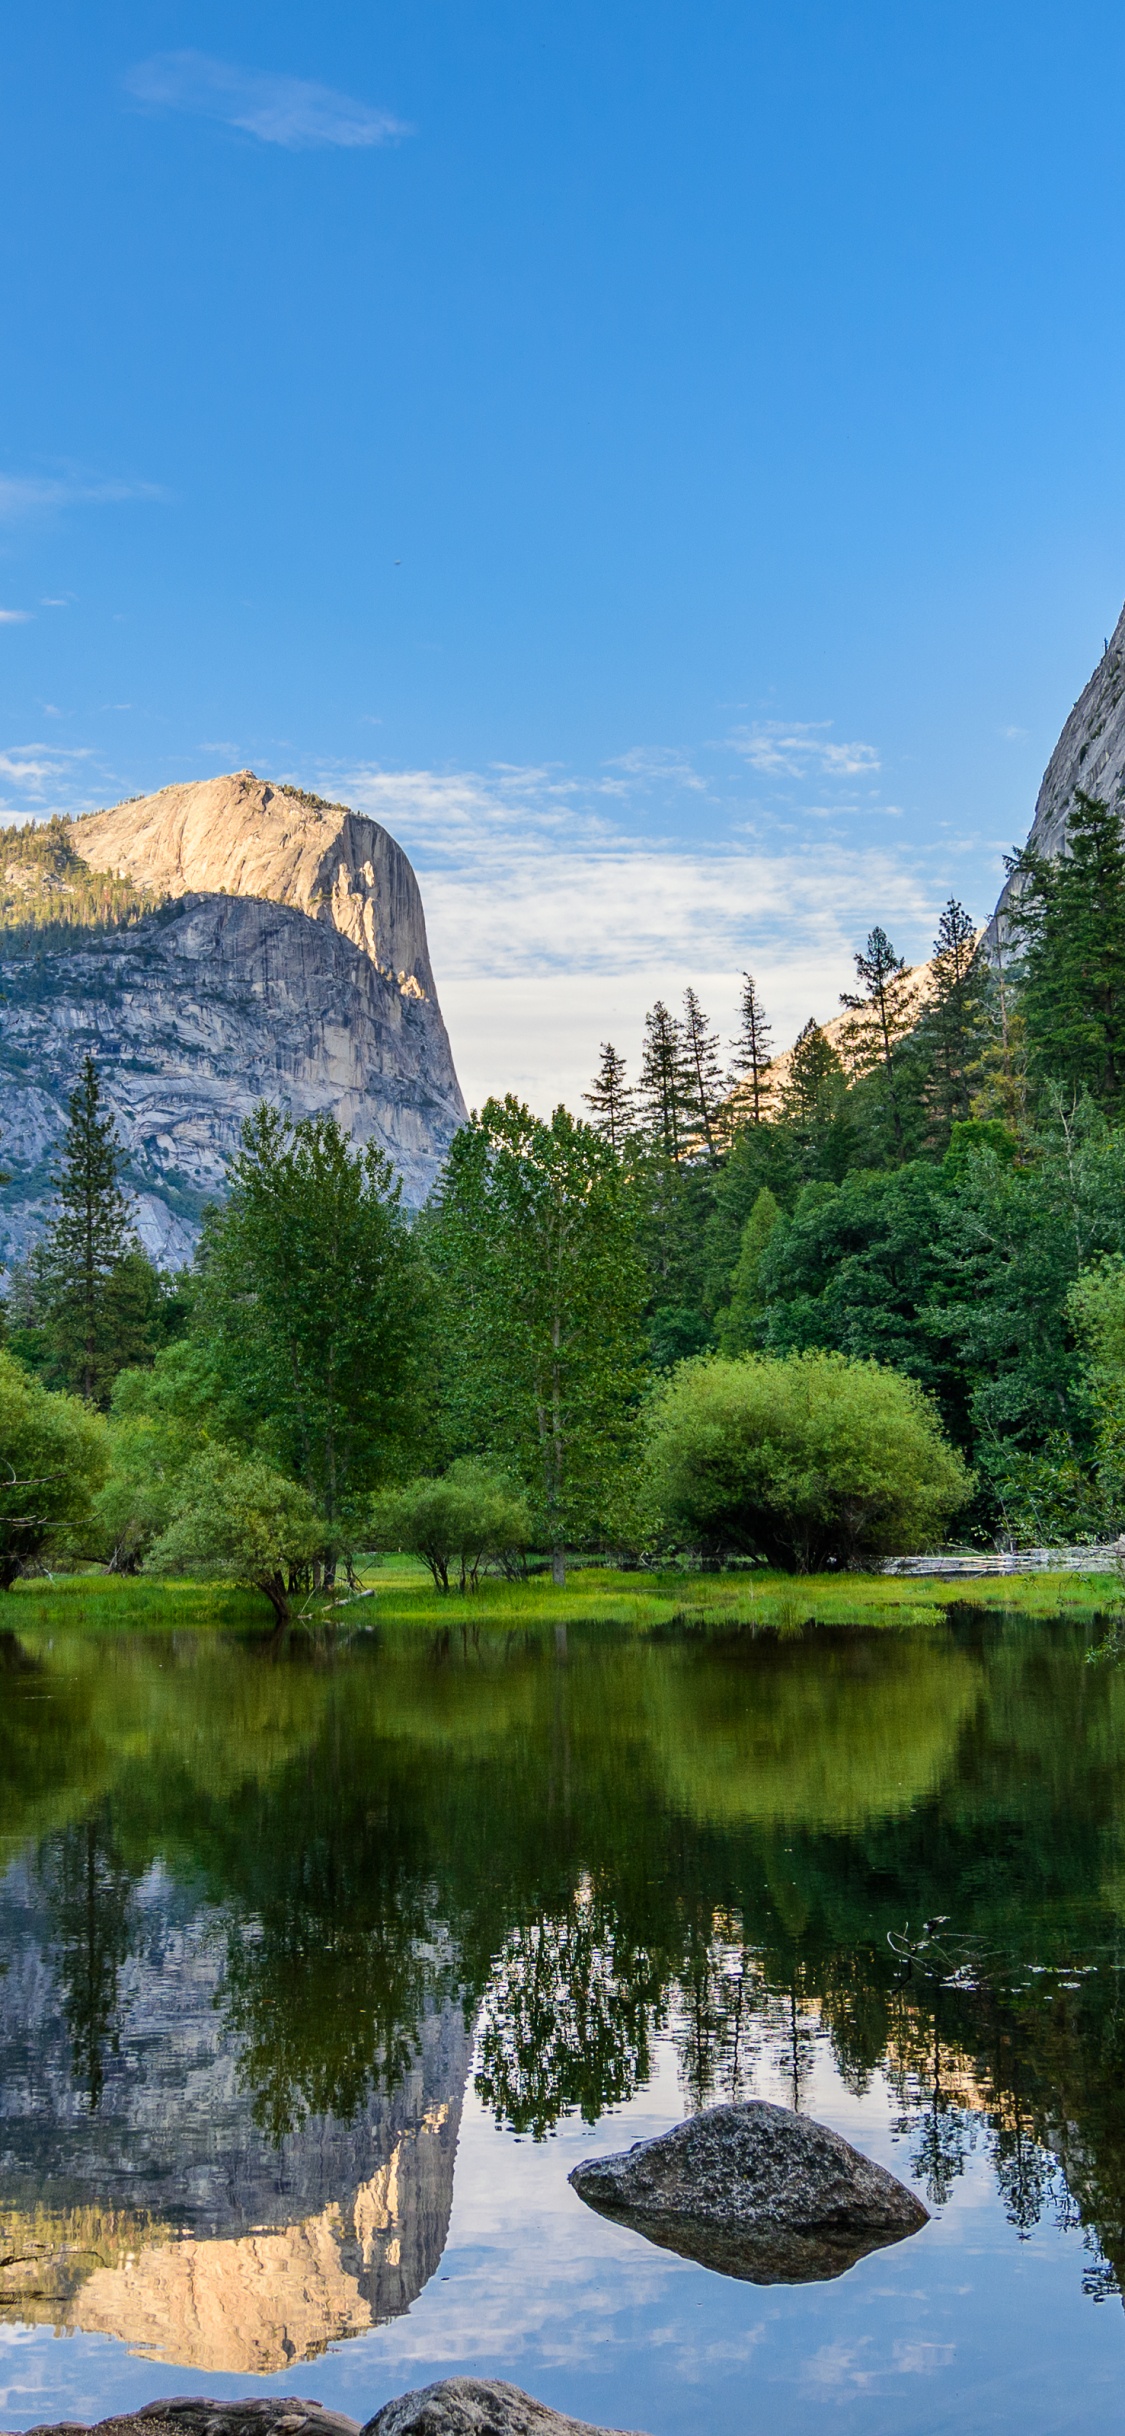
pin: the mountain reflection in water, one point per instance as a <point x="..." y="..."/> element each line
<point x="253" y="1908"/>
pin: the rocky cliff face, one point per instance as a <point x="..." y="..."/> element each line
<point x="1090" y="753"/>
<point x="167" y="2217"/>
<point x="287" y="962"/>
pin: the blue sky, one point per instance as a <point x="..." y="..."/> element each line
<point x="665" y="459"/>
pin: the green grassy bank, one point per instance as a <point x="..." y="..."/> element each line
<point x="399" y="1591"/>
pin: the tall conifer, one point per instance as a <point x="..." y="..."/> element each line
<point x="79" y="1259"/>
<point x="1069" y="918"/>
<point x="702" y="1072"/>
<point x="660" y="1092"/>
<point x="611" y="1099"/>
<point x="881" y="1018"/>
<point x="753" y="1050"/>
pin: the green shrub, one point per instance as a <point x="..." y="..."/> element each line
<point x="236" y="1519"/>
<point x="54" y="1455"/>
<point x="805" y="1461"/>
<point x="471" y="1517"/>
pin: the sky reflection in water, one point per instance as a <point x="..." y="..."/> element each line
<point x="319" y="1975"/>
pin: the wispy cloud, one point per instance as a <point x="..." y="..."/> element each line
<point x="30" y="494"/>
<point x="15" y="617"/>
<point x="282" y="110"/>
<point x="552" y="928"/>
<point x="796" y="750"/>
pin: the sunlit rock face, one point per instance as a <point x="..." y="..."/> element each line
<point x="287" y="962"/>
<point x="162" y="2212"/>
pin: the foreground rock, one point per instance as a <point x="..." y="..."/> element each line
<point x="473" y="2406"/>
<point x="459" y="2406"/>
<point x="195" y="2415"/>
<point x="756" y="2192"/>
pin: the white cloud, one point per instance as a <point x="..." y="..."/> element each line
<point x="29" y="494"/>
<point x="282" y="110"/>
<point x="551" y="930"/>
<point x="14" y="617"/>
<point x="793" y="750"/>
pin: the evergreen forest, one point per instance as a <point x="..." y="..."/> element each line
<point x="808" y="1308"/>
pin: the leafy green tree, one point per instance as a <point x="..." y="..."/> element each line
<point x="534" y="1239"/>
<point x="881" y="1017"/>
<point x="739" y="1326"/>
<point x="611" y="1099"/>
<point x="235" y="1519"/>
<point x="808" y="1460"/>
<point x="54" y="1456"/>
<point x="859" y="1269"/>
<point x="472" y="1516"/>
<point x="312" y="1308"/>
<point x="92" y="1288"/>
<point x="753" y="1052"/>
<point x="1068" y="918"/>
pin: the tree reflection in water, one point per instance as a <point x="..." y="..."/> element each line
<point x="587" y="1846"/>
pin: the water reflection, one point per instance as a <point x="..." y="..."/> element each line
<point x="252" y="1911"/>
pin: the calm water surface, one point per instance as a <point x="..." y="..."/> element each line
<point x="318" y="1973"/>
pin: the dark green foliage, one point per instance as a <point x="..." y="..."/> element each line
<point x="881" y="1017"/>
<point x="611" y="1099"/>
<point x="752" y="1052"/>
<point x="88" y="1301"/>
<point x="703" y="1075"/>
<point x="663" y="1093"/>
<point x="1068" y="917"/>
<point x="739" y="1327"/>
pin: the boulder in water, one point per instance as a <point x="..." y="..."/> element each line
<point x="756" y="2192"/>
<point x="473" y="2406"/>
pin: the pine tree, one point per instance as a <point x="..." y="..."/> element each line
<point x="753" y="1053"/>
<point x="703" y="1074"/>
<point x="611" y="1099"/>
<point x="78" y="1262"/>
<point x="953" y="1028"/>
<point x="661" y="1091"/>
<point x="881" y="1019"/>
<point x="1069" y="917"/>
<point x="813" y="1063"/>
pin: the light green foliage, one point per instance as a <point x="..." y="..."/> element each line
<point x="471" y="1517"/>
<point x="1096" y="1307"/>
<point x="533" y="1240"/>
<point x="159" y="1421"/>
<point x="739" y="1326"/>
<point x="236" y="1519"/>
<point x="801" y="1460"/>
<point x="312" y="1311"/>
<point x="54" y="1456"/>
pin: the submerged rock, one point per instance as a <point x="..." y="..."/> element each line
<point x="473" y="2406"/>
<point x="754" y="2191"/>
<point x="197" y="2415"/>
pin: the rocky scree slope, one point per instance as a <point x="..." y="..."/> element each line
<point x="283" y="957"/>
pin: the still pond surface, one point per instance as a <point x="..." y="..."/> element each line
<point x="318" y="1973"/>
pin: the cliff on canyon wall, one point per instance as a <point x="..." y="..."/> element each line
<point x="165" y="2214"/>
<point x="212" y="946"/>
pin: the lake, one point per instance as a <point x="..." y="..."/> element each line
<point x="320" y="1969"/>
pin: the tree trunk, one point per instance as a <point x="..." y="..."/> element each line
<point x="273" y="1585"/>
<point x="558" y="1568"/>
